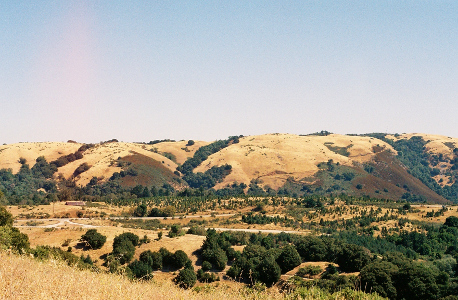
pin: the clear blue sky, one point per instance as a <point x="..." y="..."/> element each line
<point x="205" y="70"/>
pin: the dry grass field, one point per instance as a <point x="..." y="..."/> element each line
<point x="24" y="278"/>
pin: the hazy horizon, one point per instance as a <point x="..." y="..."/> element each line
<point x="204" y="70"/>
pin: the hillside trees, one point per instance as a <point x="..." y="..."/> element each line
<point x="211" y="176"/>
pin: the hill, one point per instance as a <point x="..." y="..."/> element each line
<point x="413" y="167"/>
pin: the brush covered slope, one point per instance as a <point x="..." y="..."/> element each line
<point x="413" y="167"/>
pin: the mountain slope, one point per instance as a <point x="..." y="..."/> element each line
<point x="414" y="167"/>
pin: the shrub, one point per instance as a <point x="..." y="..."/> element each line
<point x="175" y="230"/>
<point x="141" y="270"/>
<point x="451" y="221"/>
<point x="206" y="266"/>
<point x="206" y="277"/>
<point x="153" y="259"/>
<point x="180" y="258"/>
<point x="379" y="277"/>
<point x="352" y="258"/>
<point x="186" y="278"/>
<point x="289" y="258"/>
<point x="268" y="271"/>
<point x="216" y="256"/>
<point x="141" y="210"/>
<point x="94" y="239"/>
<point x="124" y="247"/>
<point x="167" y="256"/>
<point x="309" y="271"/>
<point x="6" y="219"/>
<point x="133" y="238"/>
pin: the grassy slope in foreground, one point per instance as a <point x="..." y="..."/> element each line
<point x="25" y="278"/>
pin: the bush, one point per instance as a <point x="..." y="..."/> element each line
<point x="309" y="271"/>
<point x="167" y="256"/>
<point x="175" y="230"/>
<point x="289" y="258"/>
<point x="206" y="277"/>
<point x="268" y="271"/>
<point x="186" y="278"/>
<point x="451" y="221"/>
<point x="133" y="238"/>
<point x="124" y="246"/>
<point x="352" y="258"/>
<point x="94" y="239"/>
<point x="153" y="259"/>
<point x="379" y="277"/>
<point x="141" y="270"/>
<point x="6" y="219"/>
<point x="180" y="258"/>
<point x="206" y="266"/>
<point x="216" y="256"/>
<point x="141" y="211"/>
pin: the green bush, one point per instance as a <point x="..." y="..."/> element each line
<point x="180" y="258"/>
<point x="175" y="230"/>
<point x="186" y="278"/>
<point x="289" y="258"/>
<point x="309" y="271"/>
<point x="141" y="210"/>
<point x="153" y="259"/>
<point x="268" y="271"/>
<point x="94" y="239"/>
<point x="206" y="266"/>
<point x="123" y="249"/>
<point x="133" y="238"/>
<point x="141" y="270"/>
<point x="6" y="219"/>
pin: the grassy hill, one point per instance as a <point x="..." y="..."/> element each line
<point x="414" y="167"/>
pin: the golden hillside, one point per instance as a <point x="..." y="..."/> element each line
<point x="275" y="157"/>
<point x="101" y="157"/>
<point x="272" y="159"/>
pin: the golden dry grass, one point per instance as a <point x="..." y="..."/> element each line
<point x="270" y="157"/>
<point x="101" y="158"/>
<point x="10" y="154"/>
<point x="435" y="143"/>
<point x="177" y="149"/>
<point x="25" y="278"/>
<point x="275" y="157"/>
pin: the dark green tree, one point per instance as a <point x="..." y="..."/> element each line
<point x="180" y="258"/>
<point x="289" y="258"/>
<point x="268" y="271"/>
<point x="94" y="239"/>
<point x="141" y="270"/>
<point x="378" y="277"/>
<point x="6" y="218"/>
<point x="141" y="210"/>
<point x="186" y="278"/>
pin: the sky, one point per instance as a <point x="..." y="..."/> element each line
<point x="138" y="71"/>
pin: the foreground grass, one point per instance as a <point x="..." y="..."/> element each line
<point x="22" y="277"/>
